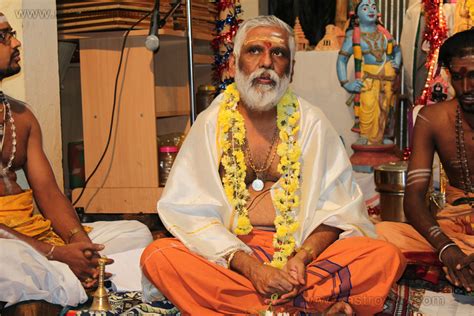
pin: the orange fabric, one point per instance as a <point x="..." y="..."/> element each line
<point x="457" y="222"/>
<point x="359" y="270"/>
<point x="16" y="212"/>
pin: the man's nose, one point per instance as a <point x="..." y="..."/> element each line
<point x="266" y="60"/>
<point x="468" y="84"/>
<point x="15" y="43"/>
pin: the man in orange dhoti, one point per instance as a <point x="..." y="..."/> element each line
<point x="446" y="127"/>
<point x="252" y="229"/>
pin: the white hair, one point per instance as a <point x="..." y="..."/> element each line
<point x="263" y="20"/>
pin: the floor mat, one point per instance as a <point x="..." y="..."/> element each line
<point x="408" y="297"/>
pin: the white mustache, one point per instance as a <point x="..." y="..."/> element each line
<point x="259" y="72"/>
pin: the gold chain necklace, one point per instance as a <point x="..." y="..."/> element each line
<point x="258" y="183"/>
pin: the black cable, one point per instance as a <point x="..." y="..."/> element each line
<point x="113" y="107"/>
<point x="259" y="195"/>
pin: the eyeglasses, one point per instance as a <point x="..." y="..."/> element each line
<point x="6" y="36"/>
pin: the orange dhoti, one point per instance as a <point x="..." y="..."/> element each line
<point x="358" y="270"/>
<point x="456" y="221"/>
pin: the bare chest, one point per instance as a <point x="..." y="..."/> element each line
<point x="456" y="156"/>
<point x="13" y="142"/>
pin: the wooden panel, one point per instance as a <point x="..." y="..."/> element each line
<point x="118" y="200"/>
<point x="131" y="160"/>
<point x="203" y="59"/>
<point x="171" y="80"/>
<point x="173" y="124"/>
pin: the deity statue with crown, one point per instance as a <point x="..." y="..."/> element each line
<point x="377" y="60"/>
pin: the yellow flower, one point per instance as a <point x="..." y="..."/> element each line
<point x="229" y="191"/>
<point x="286" y="98"/>
<point x="239" y="137"/>
<point x="294" y="227"/>
<point x="283" y="136"/>
<point x="282" y="231"/>
<point x="232" y="128"/>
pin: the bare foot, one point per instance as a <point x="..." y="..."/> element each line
<point x="339" y="308"/>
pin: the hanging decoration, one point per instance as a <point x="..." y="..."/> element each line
<point x="469" y="6"/>
<point x="227" y="25"/>
<point x="436" y="32"/>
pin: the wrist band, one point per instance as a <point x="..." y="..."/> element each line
<point x="343" y="82"/>
<point x="230" y="257"/>
<point x="308" y="250"/>
<point x="443" y="249"/>
<point x="72" y="232"/>
<point x="49" y="255"/>
<point x="344" y="53"/>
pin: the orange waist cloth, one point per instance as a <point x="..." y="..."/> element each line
<point x="16" y="212"/>
<point x="453" y="194"/>
<point x="358" y="270"/>
<point x="456" y="221"/>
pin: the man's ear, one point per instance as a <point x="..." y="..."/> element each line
<point x="232" y="65"/>
<point x="292" y="70"/>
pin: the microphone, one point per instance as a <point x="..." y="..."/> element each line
<point x="152" y="42"/>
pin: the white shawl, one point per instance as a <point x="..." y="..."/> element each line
<point x="195" y="209"/>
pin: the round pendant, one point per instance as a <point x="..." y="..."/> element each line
<point x="257" y="184"/>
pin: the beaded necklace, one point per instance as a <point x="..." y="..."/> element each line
<point x="7" y="116"/>
<point x="462" y="157"/>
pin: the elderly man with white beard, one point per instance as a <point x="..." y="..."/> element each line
<point x="262" y="203"/>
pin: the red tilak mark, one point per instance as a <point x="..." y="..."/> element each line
<point x="267" y="44"/>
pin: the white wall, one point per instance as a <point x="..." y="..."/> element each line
<point x="38" y="82"/>
<point x="253" y="8"/>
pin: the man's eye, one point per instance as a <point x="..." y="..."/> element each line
<point x="278" y="53"/>
<point x="254" y="50"/>
<point x="456" y="76"/>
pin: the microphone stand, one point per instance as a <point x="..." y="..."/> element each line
<point x="190" y="61"/>
<point x="170" y="12"/>
<point x="190" y="52"/>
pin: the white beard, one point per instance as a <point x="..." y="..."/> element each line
<point x="258" y="97"/>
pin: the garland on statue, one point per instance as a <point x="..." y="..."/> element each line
<point x="469" y="5"/>
<point x="436" y="32"/>
<point x="227" y="25"/>
<point x="286" y="195"/>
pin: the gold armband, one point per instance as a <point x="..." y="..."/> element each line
<point x="72" y="232"/>
<point x="343" y="82"/>
<point x="308" y="250"/>
<point x="344" y="53"/>
<point x="49" y="255"/>
<point x="230" y="257"/>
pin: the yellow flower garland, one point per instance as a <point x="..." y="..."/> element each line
<point x="286" y="196"/>
<point x="469" y="5"/>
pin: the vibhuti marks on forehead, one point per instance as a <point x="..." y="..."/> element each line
<point x="275" y="38"/>
<point x="3" y="18"/>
